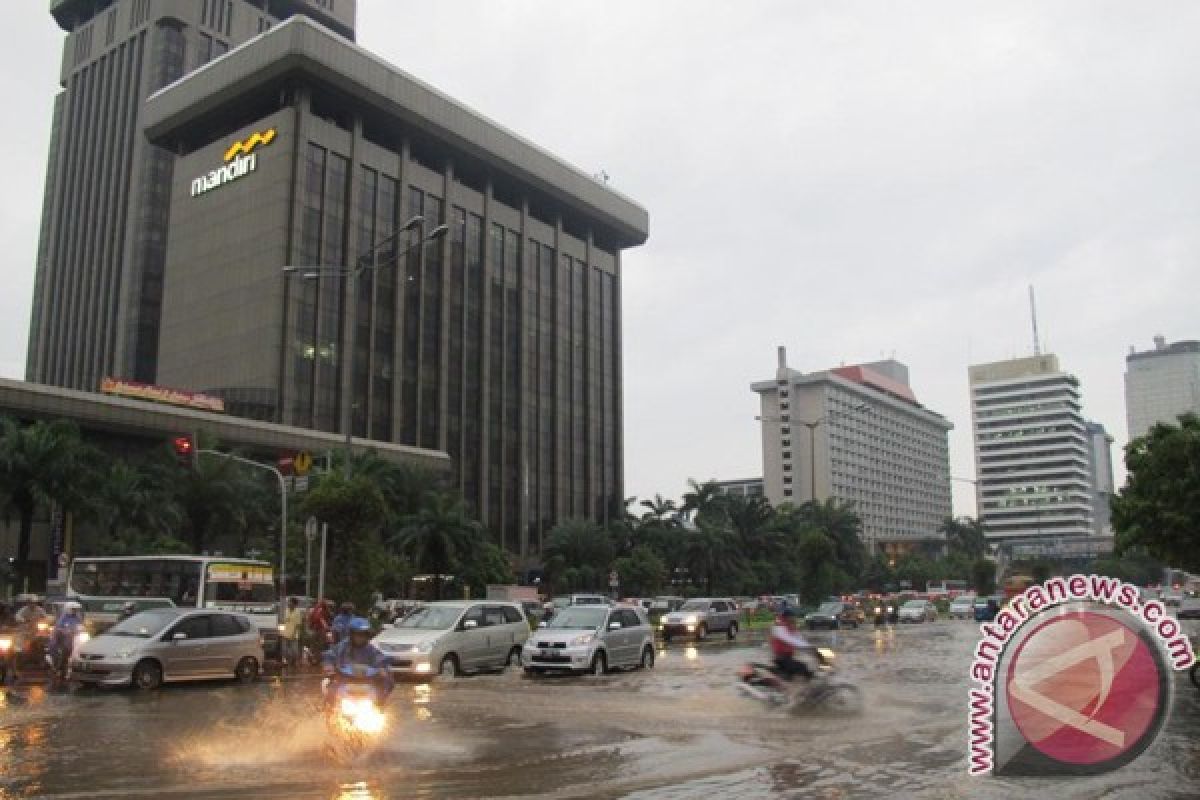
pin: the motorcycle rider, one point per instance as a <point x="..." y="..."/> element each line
<point x="62" y="638"/>
<point x="785" y="641"/>
<point x="341" y="623"/>
<point x="27" y="619"/>
<point x="357" y="650"/>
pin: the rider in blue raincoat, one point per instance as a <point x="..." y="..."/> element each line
<point x="356" y="650"/>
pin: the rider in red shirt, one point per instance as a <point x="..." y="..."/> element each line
<point x="785" y="642"/>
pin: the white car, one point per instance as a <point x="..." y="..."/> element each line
<point x="591" y="639"/>
<point x="962" y="607"/>
<point x="917" y="611"/>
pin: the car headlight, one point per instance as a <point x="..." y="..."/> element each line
<point x="582" y="639"/>
<point x="890" y="609"/>
<point x="83" y="637"/>
<point x="423" y="666"/>
<point x="878" y="609"/>
<point x="690" y="619"/>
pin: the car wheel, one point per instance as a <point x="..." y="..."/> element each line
<point x="514" y="658"/>
<point x="147" y="675"/>
<point x="701" y="632"/>
<point x="449" y="668"/>
<point x="733" y="630"/>
<point x="247" y="670"/>
<point x="599" y="664"/>
<point x="647" y="657"/>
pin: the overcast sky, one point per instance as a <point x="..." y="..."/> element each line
<point x="851" y="179"/>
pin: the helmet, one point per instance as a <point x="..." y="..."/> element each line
<point x="71" y="607"/>
<point x="359" y="625"/>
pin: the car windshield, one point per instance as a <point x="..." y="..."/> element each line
<point x="917" y="604"/>
<point x="694" y="605"/>
<point x="143" y="625"/>
<point x="580" y="617"/>
<point x="830" y="608"/>
<point x="432" y="618"/>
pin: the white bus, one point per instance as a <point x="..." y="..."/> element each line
<point x="104" y="584"/>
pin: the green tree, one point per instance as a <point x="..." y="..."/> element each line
<point x="914" y="569"/>
<point x="964" y="537"/>
<point x="983" y="576"/>
<point x="1159" y="507"/>
<point x="577" y="554"/>
<point x="642" y="573"/>
<point x="355" y="511"/>
<point x="815" y="550"/>
<point x="710" y="553"/>
<point x="41" y="464"/>
<point x="136" y="515"/>
<point x="838" y="520"/>
<point x="484" y="563"/>
<point x="439" y="536"/>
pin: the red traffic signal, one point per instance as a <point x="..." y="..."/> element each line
<point x="185" y="451"/>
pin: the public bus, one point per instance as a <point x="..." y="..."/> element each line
<point x="104" y="584"/>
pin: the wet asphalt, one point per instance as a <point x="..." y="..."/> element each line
<point x="680" y="730"/>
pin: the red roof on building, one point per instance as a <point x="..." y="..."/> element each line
<point x="869" y="377"/>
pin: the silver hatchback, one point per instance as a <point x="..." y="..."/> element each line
<point x="170" y="644"/>
<point x="453" y="637"/>
<point x="591" y="639"/>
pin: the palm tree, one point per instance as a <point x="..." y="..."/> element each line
<point x="708" y="550"/>
<point x="40" y="464"/>
<point x="702" y="498"/>
<point x="211" y="494"/>
<point x="578" y="554"/>
<point x="660" y="508"/>
<point x="438" y="535"/>
<point x="136" y="514"/>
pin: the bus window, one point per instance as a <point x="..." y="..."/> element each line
<point x="239" y="592"/>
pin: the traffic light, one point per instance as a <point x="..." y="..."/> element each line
<point x="185" y="451"/>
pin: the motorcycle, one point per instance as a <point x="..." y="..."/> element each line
<point x="352" y="702"/>
<point x="7" y="651"/>
<point x="60" y="653"/>
<point x="824" y="691"/>
<point x="886" y="615"/>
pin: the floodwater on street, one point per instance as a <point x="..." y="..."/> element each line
<point x="680" y="730"/>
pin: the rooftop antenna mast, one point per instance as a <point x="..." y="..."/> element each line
<point x="1037" y="342"/>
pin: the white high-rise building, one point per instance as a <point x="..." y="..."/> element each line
<point x="1161" y="384"/>
<point x="858" y="434"/>
<point x="1033" y="454"/>
<point x="1100" y="461"/>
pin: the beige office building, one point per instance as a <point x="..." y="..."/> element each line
<point x="1161" y="384"/>
<point x="857" y="434"/>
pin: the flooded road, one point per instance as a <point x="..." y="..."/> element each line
<point x="678" y="731"/>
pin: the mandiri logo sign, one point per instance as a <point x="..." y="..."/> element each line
<point x="1073" y="677"/>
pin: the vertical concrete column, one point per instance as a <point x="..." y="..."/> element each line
<point x="403" y="214"/>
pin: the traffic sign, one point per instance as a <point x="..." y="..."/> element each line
<point x="302" y="463"/>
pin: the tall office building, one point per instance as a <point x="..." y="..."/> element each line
<point x="97" y="302"/>
<point x="1101" y="468"/>
<point x="748" y="487"/>
<point x="858" y="434"/>
<point x="498" y="342"/>
<point x="1032" y="451"/>
<point x="1161" y="384"/>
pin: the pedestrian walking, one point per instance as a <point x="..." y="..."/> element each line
<point x="293" y="624"/>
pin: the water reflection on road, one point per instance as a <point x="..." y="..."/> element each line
<point x="677" y="731"/>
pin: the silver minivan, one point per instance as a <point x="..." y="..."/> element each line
<point x="171" y="644"/>
<point x="452" y="637"/>
<point x="591" y="639"/>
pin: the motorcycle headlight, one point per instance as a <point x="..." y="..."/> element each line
<point x="878" y="609"/>
<point x="826" y="653"/>
<point x="84" y="637"/>
<point x="43" y="627"/>
<point x="5" y="645"/>
<point x="583" y="639"/>
<point x="890" y="609"/>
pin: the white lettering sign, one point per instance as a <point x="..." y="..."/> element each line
<point x="238" y="168"/>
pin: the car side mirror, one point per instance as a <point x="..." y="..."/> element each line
<point x="470" y="624"/>
<point x="178" y="636"/>
<point x="614" y="626"/>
